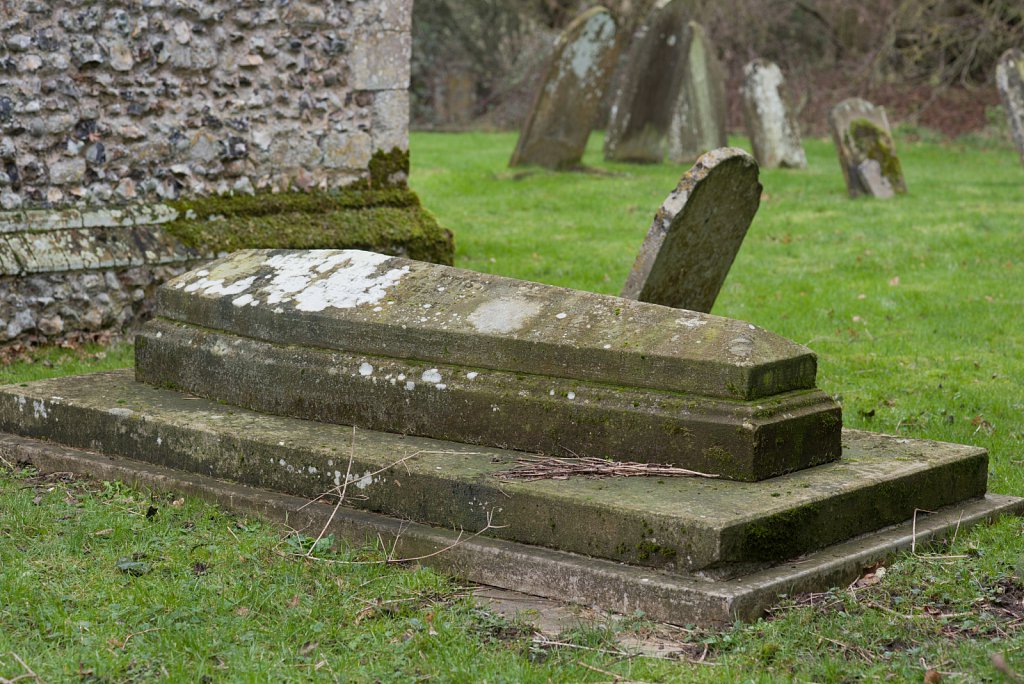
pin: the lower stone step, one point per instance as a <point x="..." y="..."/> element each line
<point x="555" y="574"/>
<point x="707" y="528"/>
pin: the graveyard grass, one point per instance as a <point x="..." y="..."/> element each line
<point x="913" y="306"/>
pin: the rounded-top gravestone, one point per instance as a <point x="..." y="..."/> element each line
<point x="774" y="133"/>
<point x="867" y="152"/>
<point x="697" y="232"/>
<point x="1010" y="80"/>
<point x="648" y="91"/>
<point x="566" y="105"/>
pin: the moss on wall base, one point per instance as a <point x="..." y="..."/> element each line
<point x="389" y="221"/>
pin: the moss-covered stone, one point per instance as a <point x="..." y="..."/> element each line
<point x="389" y="220"/>
<point x="873" y="142"/>
<point x="389" y="169"/>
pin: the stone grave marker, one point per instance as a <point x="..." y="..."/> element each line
<point x="697" y="233"/>
<point x="774" y="132"/>
<point x="565" y="106"/>
<point x="273" y="377"/>
<point x="867" y="152"/>
<point x="1010" y="80"/>
<point x="699" y="118"/>
<point x="646" y="101"/>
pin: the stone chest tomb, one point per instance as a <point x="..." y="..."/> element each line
<point x="137" y="139"/>
<point x="298" y="373"/>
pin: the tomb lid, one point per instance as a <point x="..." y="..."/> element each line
<point x="369" y="303"/>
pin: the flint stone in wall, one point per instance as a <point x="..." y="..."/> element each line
<point x="565" y="106"/>
<point x="774" y="133"/>
<point x="1010" y="81"/>
<point x="160" y="84"/>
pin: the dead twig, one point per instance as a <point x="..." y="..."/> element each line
<point x="551" y="468"/>
<point x="341" y="496"/>
<point x="29" y="672"/>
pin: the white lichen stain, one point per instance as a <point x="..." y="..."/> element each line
<point x="217" y="288"/>
<point x="362" y="481"/>
<point x="560" y="316"/>
<point x="120" y="412"/>
<point x="692" y="323"/>
<point x="410" y="385"/>
<point x="353" y="279"/>
<point x="365" y="369"/>
<point x="243" y="300"/>
<point x="472" y="375"/>
<point x="39" y="409"/>
<point x="432" y="375"/>
<point x="504" y="315"/>
<point x="571" y="396"/>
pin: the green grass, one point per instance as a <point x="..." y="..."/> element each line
<point x="913" y="306"/>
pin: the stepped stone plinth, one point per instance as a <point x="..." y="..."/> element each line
<point x="270" y="378"/>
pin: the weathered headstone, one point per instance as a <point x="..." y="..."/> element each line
<point x="699" y="118"/>
<point x="867" y="152"/>
<point x="774" y="132"/>
<point x="697" y="233"/>
<point x="1010" y="80"/>
<point x="565" y="107"/>
<point x="322" y="343"/>
<point x="645" y="104"/>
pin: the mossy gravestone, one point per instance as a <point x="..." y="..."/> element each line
<point x="774" y="133"/>
<point x="564" y="109"/>
<point x="1010" y="80"/>
<point x="867" y="152"/>
<point x="698" y="120"/>
<point x="645" y="103"/>
<point x="697" y="232"/>
<point x="403" y="346"/>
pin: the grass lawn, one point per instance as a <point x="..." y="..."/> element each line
<point x="913" y="306"/>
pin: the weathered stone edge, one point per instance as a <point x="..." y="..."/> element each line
<point x="746" y="441"/>
<point x="543" y="572"/>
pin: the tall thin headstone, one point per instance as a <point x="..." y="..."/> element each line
<point x="566" y="105"/>
<point x="697" y="233"/>
<point x="645" y="103"/>
<point x="867" y="152"/>
<point x="774" y="133"/>
<point x="1010" y="80"/>
<point x="699" y="117"/>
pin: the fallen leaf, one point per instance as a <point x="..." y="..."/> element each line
<point x="178" y="503"/>
<point x="932" y="676"/>
<point x="294" y="601"/>
<point x="135" y="568"/>
<point x="241" y="611"/>
<point x="308" y="648"/>
<point x="151" y="512"/>
<point x="894" y="281"/>
<point x="104" y="533"/>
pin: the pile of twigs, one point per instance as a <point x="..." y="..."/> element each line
<point x="549" y="468"/>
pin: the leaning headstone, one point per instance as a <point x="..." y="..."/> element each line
<point x="1010" y="80"/>
<point x="699" y="118"/>
<point x="646" y="100"/>
<point x="774" y="133"/>
<point x="697" y="232"/>
<point x="566" y="105"/>
<point x="867" y="152"/>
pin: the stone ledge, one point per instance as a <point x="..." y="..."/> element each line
<point x="737" y="440"/>
<point x="715" y="527"/>
<point x="543" y="572"/>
